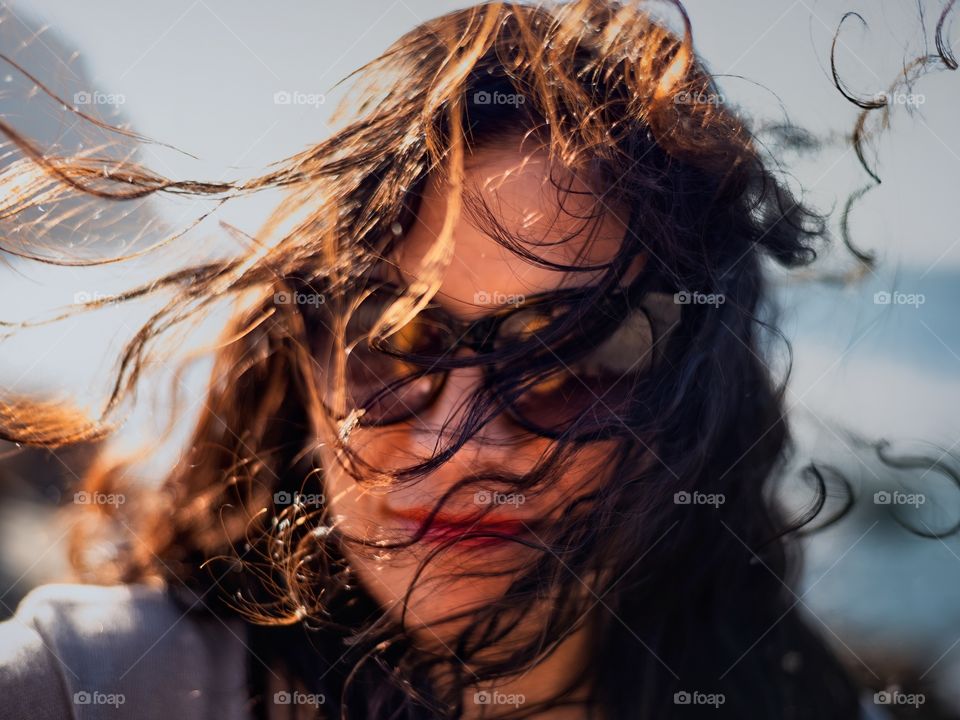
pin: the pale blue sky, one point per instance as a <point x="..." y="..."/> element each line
<point x="201" y="75"/>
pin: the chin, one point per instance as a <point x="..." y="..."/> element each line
<point x="447" y="588"/>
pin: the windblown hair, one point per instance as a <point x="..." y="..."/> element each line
<point x="682" y="597"/>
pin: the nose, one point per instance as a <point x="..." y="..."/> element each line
<point x="499" y="446"/>
<point x="455" y="403"/>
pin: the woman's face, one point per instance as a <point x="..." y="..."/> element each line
<point x="482" y="277"/>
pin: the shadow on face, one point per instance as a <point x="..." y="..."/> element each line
<point x="562" y="220"/>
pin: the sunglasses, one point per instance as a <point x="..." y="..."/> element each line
<point x="552" y="371"/>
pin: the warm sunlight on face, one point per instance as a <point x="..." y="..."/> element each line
<point x="483" y="276"/>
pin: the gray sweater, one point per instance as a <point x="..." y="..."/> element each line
<point x="86" y="652"/>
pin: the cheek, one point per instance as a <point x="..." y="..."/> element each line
<point x="381" y="449"/>
<point x="588" y="471"/>
<point x="361" y="508"/>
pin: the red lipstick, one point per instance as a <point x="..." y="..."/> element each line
<point x="466" y="531"/>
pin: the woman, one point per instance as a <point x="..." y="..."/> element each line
<point x="494" y="437"/>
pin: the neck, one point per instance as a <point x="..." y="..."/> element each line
<point x="556" y="674"/>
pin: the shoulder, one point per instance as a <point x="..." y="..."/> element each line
<point x="130" y="647"/>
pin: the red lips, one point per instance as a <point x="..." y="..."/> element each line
<point x="467" y="530"/>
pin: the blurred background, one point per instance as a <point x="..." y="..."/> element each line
<point x="236" y="86"/>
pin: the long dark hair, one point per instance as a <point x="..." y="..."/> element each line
<point x="682" y="598"/>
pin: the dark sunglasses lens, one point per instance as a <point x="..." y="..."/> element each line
<point x="592" y="392"/>
<point x="569" y="400"/>
<point x="388" y="387"/>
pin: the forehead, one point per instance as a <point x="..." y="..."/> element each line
<point x="554" y="214"/>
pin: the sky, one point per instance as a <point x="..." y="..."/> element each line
<point x="201" y="75"/>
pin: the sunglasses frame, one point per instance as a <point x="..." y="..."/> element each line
<point x="481" y="335"/>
